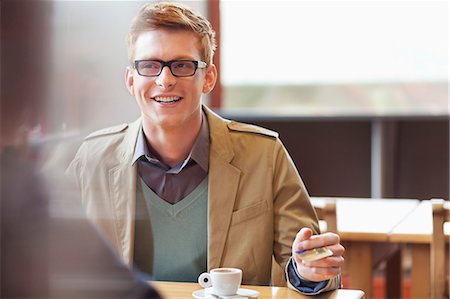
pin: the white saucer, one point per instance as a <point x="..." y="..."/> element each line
<point x="241" y="293"/>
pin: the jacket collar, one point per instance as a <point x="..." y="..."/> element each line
<point x="130" y="140"/>
<point x="220" y="138"/>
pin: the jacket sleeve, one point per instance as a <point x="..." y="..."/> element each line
<point x="296" y="282"/>
<point x="292" y="211"/>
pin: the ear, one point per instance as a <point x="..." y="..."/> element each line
<point x="210" y="78"/>
<point x="129" y="79"/>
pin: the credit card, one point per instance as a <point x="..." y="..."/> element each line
<point x="314" y="254"/>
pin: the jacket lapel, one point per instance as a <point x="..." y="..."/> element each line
<point x="223" y="182"/>
<point x="122" y="187"/>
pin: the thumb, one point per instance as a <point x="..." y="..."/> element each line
<point x="304" y="234"/>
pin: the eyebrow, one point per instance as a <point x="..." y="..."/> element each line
<point x="176" y="58"/>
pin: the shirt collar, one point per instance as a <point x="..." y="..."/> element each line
<point x="200" y="149"/>
<point x="199" y="152"/>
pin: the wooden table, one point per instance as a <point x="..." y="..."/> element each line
<point x="361" y="223"/>
<point x="416" y="230"/>
<point x="182" y="290"/>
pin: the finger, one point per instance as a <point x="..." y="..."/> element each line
<point x="337" y="249"/>
<point x="329" y="262"/>
<point x="326" y="239"/>
<point x="304" y="234"/>
<point x="318" y="273"/>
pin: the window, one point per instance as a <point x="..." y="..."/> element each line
<point x="333" y="57"/>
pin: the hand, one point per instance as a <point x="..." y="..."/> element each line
<point x="322" y="269"/>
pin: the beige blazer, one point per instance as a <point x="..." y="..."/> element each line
<point x="256" y="199"/>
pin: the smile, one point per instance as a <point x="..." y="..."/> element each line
<point x="167" y="100"/>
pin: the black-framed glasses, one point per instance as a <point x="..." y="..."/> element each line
<point x="178" y="68"/>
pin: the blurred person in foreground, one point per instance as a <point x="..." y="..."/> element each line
<point x="48" y="248"/>
<point x="182" y="190"/>
<point x="53" y="253"/>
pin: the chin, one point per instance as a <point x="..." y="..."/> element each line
<point x="169" y="121"/>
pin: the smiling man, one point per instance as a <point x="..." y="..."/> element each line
<point x="182" y="190"/>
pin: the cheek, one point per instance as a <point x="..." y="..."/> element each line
<point x="193" y="88"/>
<point x="142" y="86"/>
<point x="202" y="86"/>
<point x="198" y="91"/>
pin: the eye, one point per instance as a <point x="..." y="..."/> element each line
<point x="149" y="65"/>
<point x="182" y="65"/>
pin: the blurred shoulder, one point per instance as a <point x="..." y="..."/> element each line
<point x="108" y="132"/>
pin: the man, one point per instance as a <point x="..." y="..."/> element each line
<point x="181" y="190"/>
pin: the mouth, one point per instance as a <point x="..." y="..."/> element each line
<point x="167" y="100"/>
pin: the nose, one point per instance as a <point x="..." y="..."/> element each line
<point x="166" y="79"/>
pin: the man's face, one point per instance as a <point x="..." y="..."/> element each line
<point x="168" y="101"/>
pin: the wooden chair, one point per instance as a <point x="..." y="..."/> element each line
<point x="439" y="260"/>
<point x="327" y="213"/>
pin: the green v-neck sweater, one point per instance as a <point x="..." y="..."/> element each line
<point x="171" y="240"/>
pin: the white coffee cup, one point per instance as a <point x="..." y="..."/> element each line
<point x="224" y="281"/>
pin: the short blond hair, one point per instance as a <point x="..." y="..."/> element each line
<point x="170" y="15"/>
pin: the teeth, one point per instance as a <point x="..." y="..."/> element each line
<point x="167" y="99"/>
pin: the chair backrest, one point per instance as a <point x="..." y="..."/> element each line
<point x="439" y="265"/>
<point x="327" y="213"/>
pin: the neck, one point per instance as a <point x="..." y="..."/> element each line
<point x="172" y="144"/>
